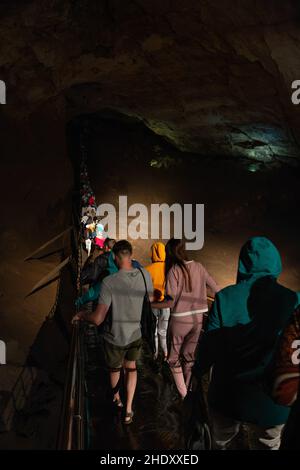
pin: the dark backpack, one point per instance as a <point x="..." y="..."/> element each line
<point x="148" y="320"/>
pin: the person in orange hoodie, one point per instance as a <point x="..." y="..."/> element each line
<point x="157" y="273"/>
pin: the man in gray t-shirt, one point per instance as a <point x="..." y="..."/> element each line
<point x="122" y="295"/>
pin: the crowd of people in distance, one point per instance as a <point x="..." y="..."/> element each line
<point x="92" y="229"/>
<point x="246" y="345"/>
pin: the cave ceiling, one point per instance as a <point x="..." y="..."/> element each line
<point x="211" y="77"/>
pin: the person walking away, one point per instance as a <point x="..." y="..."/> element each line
<point x="93" y="272"/>
<point x="186" y="284"/>
<point x="103" y="265"/>
<point x="123" y="293"/>
<point x="157" y="273"/>
<point x="241" y="334"/>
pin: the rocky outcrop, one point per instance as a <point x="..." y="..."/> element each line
<point x="211" y="77"/>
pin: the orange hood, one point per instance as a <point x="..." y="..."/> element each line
<point x="158" y="252"/>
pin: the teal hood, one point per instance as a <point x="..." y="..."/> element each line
<point x="258" y="258"/>
<point x="111" y="267"/>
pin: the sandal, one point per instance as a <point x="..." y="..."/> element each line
<point x="128" y="417"/>
<point x="118" y="403"/>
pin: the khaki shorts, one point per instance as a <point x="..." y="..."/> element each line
<point x="115" y="355"/>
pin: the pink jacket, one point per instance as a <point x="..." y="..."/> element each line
<point x="186" y="303"/>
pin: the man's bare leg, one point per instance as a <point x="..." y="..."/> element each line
<point x="114" y="381"/>
<point x="131" y="380"/>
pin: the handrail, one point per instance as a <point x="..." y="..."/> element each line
<point x="79" y="416"/>
<point x="72" y="433"/>
<point x="73" y="419"/>
<point x="72" y="426"/>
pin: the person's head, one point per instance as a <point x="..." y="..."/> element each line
<point x="259" y="257"/>
<point x="97" y="250"/>
<point x="123" y="253"/>
<point x="176" y="255"/>
<point x="108" y="244"/>
<point x="175" y="251"/>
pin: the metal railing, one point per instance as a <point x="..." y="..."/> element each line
<point x="73" y="433"/>
<point x="73" y="425"/>
<point x="73" y="421"/>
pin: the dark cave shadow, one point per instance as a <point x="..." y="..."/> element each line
<point x="50" y="348"/>
<point x="42" y="287"/>
<point x="46" y="255"/>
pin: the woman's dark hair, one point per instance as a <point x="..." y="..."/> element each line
<point x="176" y="256"/>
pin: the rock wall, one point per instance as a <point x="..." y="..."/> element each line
<point x="238" y="202"/>
<point x="35" y="195"/>
<point x="211" y="77"/>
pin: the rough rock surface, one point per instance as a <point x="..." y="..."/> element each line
<point x="35" y="194"/>
<point x="211" y="77"/>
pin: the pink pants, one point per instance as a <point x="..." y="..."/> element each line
<point x="184" y="334"/>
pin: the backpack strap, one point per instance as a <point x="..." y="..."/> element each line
<point x="144" y="282"/>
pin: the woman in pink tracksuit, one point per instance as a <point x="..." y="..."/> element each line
<point x="186" y="283"/>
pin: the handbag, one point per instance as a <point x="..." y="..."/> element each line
<point x="148" y="319"/>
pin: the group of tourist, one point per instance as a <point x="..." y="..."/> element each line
<point x="251" y="380"/>
<point x="92" y="229"/>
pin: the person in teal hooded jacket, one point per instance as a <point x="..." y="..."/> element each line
<point x="241" y="335"/>
<point x="92" y="295"/>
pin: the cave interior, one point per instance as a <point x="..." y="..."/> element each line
<point x="186" y="102"/>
